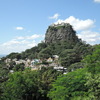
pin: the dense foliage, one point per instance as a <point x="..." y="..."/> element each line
<point x="3" y="76"/>
<point x="70" y="86"/>
<point x="82" y="84"/>
<point x="29" y="85"/>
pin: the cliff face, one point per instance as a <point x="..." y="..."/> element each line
<point x="60" y="32"/>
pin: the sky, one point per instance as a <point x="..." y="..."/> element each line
<point x="24" y="22"/>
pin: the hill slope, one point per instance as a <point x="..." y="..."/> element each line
<point x="60" y="40"/>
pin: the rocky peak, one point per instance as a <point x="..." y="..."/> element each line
<point x="58" y="32"/>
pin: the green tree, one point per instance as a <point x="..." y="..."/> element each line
<point x="75" y="66"/>
<point x="21" y="85"/>
<point x="47" y="76"/>
<point x="13" y="89"/>
<point x="92" y="63"/>
<point x="19" y="67"/>
<point x="68" y="57"/>
<point x="11" y="65"/>
<point x="45" y="53"/>
<point x="70" y="86"/>
<point x="14" y="55"/>
<point x="3" y="76"/>
<point x="29" y="85"/>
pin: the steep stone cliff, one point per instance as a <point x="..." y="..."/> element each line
<point x="59" y="32"/>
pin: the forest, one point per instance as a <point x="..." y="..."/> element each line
<point x="81" y="83"/>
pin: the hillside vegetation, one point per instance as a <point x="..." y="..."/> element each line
<point x="82" y="61"/>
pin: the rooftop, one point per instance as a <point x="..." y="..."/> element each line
<point x="60" y="24"/>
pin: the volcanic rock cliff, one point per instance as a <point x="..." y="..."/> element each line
<point x="63" y="31"/>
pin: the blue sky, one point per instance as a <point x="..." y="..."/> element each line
<point x="24" y="22"/>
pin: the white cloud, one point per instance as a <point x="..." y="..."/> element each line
<point x="98" y="1"/>
<point x="20" y="38"/>
<point x="19" y="28"/>
<point x="55" y="16"/>
<point x="12" y="42"/>
<point x="35" y="36"/>
<point x="20" y="44"/>
<point x="77" y="24"/>
<point x="90" y="37"/>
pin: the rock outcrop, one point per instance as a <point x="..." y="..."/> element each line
<point x="60" y="32"/>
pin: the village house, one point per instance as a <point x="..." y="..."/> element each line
<point x="50" y="60"/>
<point x="14" y="59"/>
<point x="37" y="64"/>
<point x="27" y="62"/>
<point x="60" y="68"/>
<point x="7" y="60"/>
<point x="20" y="61"/>
<point x="56" y="57"/>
